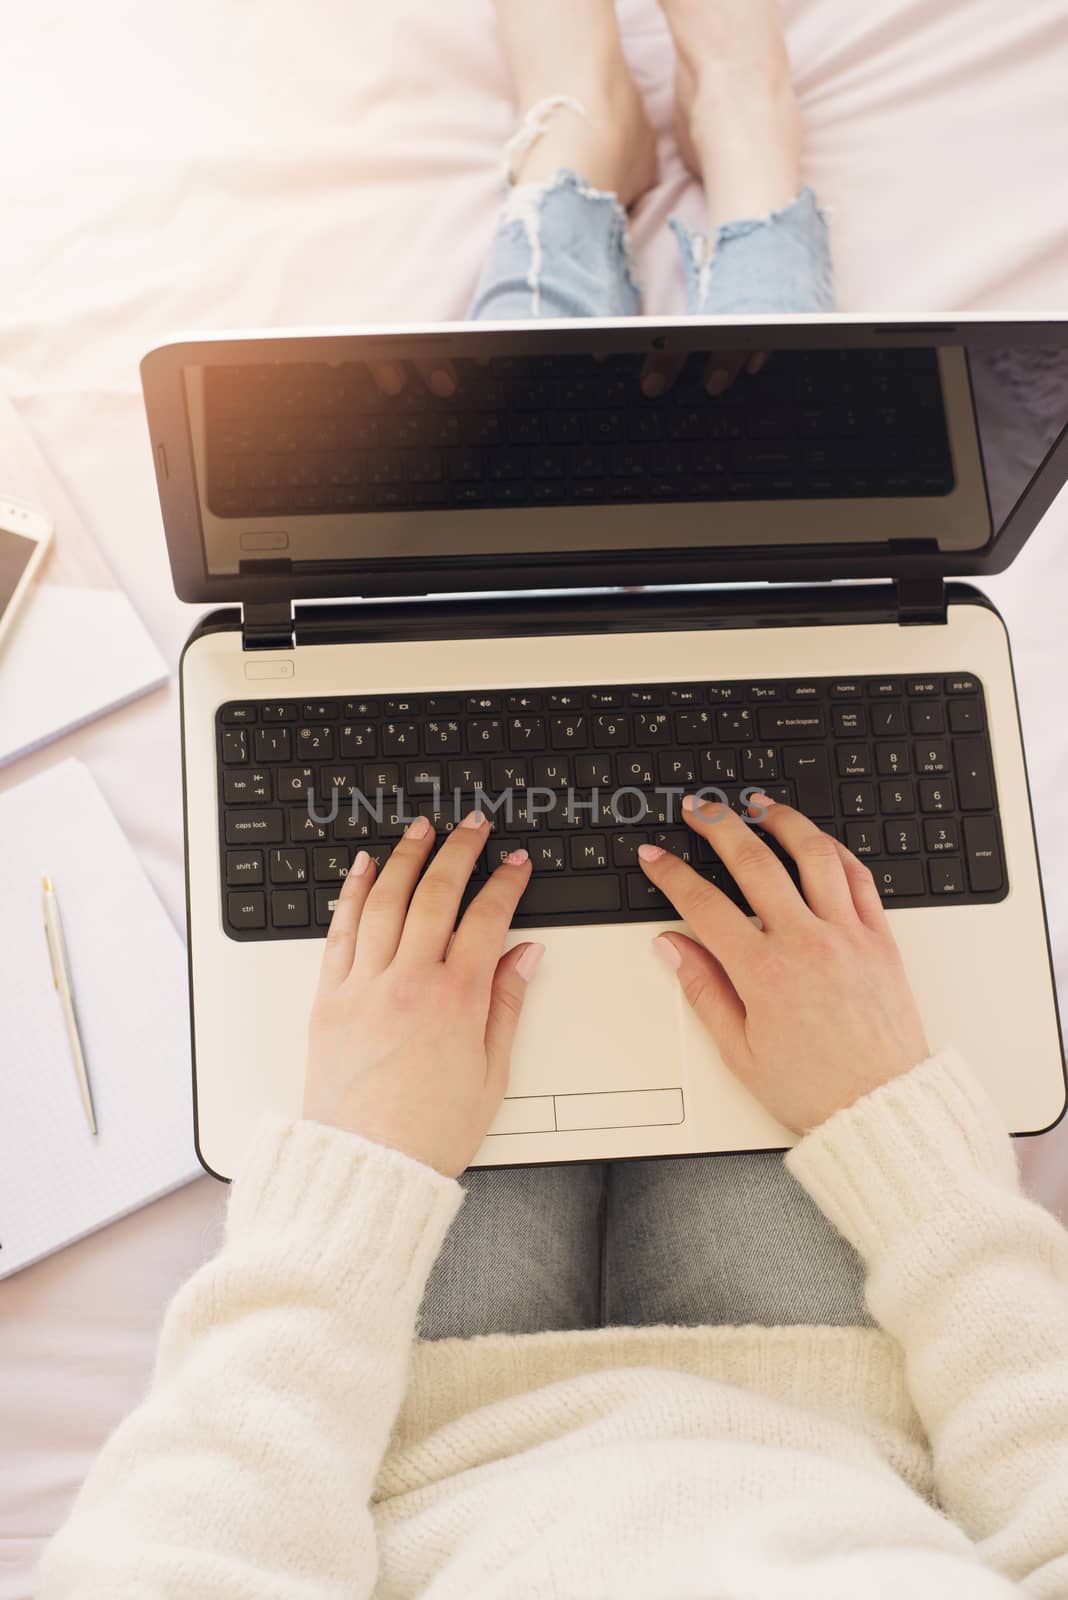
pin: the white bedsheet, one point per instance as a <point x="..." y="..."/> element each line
<point x="215" y="164"/>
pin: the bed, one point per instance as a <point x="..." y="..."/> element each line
<point x="213" y="165"/>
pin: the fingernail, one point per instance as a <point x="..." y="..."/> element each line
<point x="757" y="363"/>
<point x="419" y="828"/>
<point x="442" y="383"/>
<point x="650" y="852"/>
<point x="516" y="858"/>
<point x="716" y="382"/>
<point x="667" y="952"/>
<point x="473" y="819"/>
<point x="361" y="864"/>
<point x="689" y="802"/>
<point x="654" y="384"/>
<point x="760" y="800"/>
<point x="527" y="965"/>
<point x="392" y="378"/>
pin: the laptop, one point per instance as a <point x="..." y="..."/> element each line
<point x="573" y="603"/>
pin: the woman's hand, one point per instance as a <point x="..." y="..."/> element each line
<point x="410" y="1036"/>
<point x="814" y="1010"/>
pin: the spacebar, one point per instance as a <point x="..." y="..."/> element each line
<point x="548" y="898"/>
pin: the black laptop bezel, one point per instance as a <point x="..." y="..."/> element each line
<point x="161" y="375"/>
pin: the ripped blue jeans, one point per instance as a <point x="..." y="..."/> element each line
<point x="560" y="251"/>
<point x="691" y="1240"/>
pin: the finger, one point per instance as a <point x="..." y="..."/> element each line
<point x="382" y="921"/>
<point x="862" y="886"/>
<point x="660" y="373"/>
<point x="431" y="916"/>
<point x="722" y="369"/>
<point x="389" y="376"/>
<point x="710" y="992"/>
<point x="476" y="945"/>
<point x="757" y="362"/>
<point x="823" y="878"/>
<point x="718" y="923"/>
<point x="759" y="874"/>
<point x="514" y="971"/>
<point x="439" y="376"/>
<point x="344" y="924"/>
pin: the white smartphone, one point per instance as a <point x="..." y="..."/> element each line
<point x="25" y="534"/>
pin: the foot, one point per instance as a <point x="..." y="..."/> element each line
<point x="736" y="115"/>
<point x="572" y="47"/>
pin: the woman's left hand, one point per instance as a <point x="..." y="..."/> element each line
<point x="410" y="1036"/>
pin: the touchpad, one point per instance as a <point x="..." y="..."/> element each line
<point x="602" y="1015"/>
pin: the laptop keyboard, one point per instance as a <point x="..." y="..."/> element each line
<point x="306" y="439"/>
<point x="898" y="769"/>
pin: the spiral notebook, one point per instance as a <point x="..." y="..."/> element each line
<point x="127" y="964"/>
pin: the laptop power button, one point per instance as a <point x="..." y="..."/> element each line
<point x="268" y="669"/>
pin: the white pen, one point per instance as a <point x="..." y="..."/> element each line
<point x="57" y="955"/>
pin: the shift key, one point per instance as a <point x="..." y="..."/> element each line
<point x="973" y="775"/>
<point x="983" y="855"/>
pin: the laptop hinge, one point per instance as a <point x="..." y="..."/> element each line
<point x="268" y="625"/>
<point x="920" y="600"/>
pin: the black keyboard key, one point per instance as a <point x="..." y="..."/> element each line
<point x="526" y="733"/>
<point x="553" y="895"/>
<point x="234" y="746"/>
<point x="250" y="787"/>
<point x="566" y="700"/>
<point x="887" y="720"/>
<point x="485" y="735"/>
<point x="588" y="852"/>
<point x="899" y="879"/>
<point x="246" y="909"/>
<point x="932" y="756"/>
<point x="718" y="766"/>
<point x="680" y="841"/>
<point x="858" y="799"/>
<point x="925" y="716"/>
<point x="304" y="828"/>
<point x="314" y="742"/>
<point x="278" y="711"/>
<point x="594" y="772"/>
<point x="846" y="689"/>
<point x="289" y="908"/>
<point x="442" y="737"/>
<point x="611" y="730"/>
<point x="760" y="765"/>
<point x="325" y="904"/>
<point x="568" y="733"/>
<point x="239" y="714"/>
<point x="625" y="845"/>
<point x="511" y="772"/>
<point x="806" y="767"/>
<point x="884" y="688"/>
<point x="356" y="739"/>
<point x="790" y="722"/>
<point x="693" y="727"/>
<point x="983" y="855"/>
<point x="973" y="775"/>
<point x="854" y="761"/>
<point x="524" y="702"/>
<point x="942" y="838"/>
<point x="947" y="877"/>
<point x="897" y="797"/>
<point x="965" y="716"/>
<point x="902" y="838"/>
<point x="960" y="684"/>
<point x="289" y="865"/>
<point x="734" y="724"/>
<point x="272" y="744"/>
<point x="380" y="777"/>
<point x="422" y="777"/>
<point x="849" y="722"/>
<point x="546" y="853"/>
<point x="402" y="739"/>
<point x="891" y="760"/>
<point x="244" y="866"/>
<point x="936" y="794"/>
<point x="863" y="839"/>
<point x="254" y="827"/>
<point x="677" y="767"/>
<point x="553" y="772"/>
<point x="467" y="775"/>
<point x="331" y="863"/>
<point x="923" y="686"/>
<point x="645" y="896"/>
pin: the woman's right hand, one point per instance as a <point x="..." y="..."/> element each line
<point x="813" y="1009"/>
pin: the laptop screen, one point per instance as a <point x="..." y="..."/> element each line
<point x="323" y="453"/>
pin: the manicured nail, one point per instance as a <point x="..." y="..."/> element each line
<point x="760" y="800"/>
<point x="516" y="858"/>
<point x="361" y="864"/>
<point x="654" y="384"/>
<point x="527" y="965"/>
<point x="473" y="819"/>
<point x="717" y="382"/>
<point x="443" y="383"/>
<point x="667" y="952"/>
<point x="390" y="378"/>
<point x="757" y="363"/>
<point x="689" y="802"/>
<point x="419" y="828"/>
<point x="650" y="852"/>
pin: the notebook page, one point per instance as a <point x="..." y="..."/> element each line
<point x="127" y="961"/>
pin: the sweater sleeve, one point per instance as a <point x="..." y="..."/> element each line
<point x="248" y="1468"/>
<point x="972" y="1279"/>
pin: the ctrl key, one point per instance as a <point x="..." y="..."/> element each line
<point x="246" y="910"/>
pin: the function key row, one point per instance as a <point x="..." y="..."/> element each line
<point x="611" y="698"/>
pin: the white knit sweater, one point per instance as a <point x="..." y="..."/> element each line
<point x="297" y="1444"/>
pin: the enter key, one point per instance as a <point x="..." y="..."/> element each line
<point x="807" y="766"/>
<point x="983" y="855"/>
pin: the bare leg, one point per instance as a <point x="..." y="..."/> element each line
<point x="737" y="120"/>
<point x="572" y="47"/>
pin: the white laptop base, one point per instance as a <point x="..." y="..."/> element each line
<point x="609" y="1061"/>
